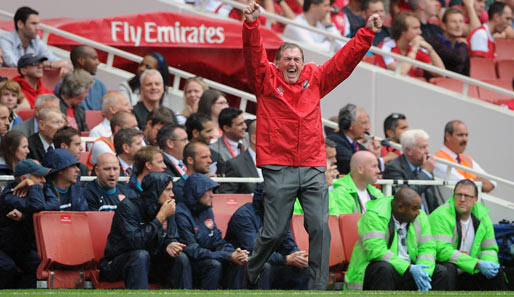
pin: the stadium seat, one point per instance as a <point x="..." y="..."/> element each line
<point x="25" y="114"/>
<point x="300" y="236"/>
<point x="65" y="248"/>
<point x="481" y="68"/>
<point x="495" y="97"/>
<point x="454" y="85"/>
<point x="337" y="257"/>
<point x="50" y="78"/>
<point x="83" y="157"/>
<point x="349" y="232"/>
<point x="505" y="69"/>
<point x="224" y="205"/>
<point x="370" y="59"/>
<point x="504" y="48"/>
<point x="93" y="118"/>
<point x="9" y="72"/>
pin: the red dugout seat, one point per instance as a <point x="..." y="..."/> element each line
<point x="481" y="68"/>
<point x="224" y="205"/>
<point x="300" y="236"/>
<point x="349" y="232"/>
<point x="93" y="118"/>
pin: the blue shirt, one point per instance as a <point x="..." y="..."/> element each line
<point x="94" y="97"/>
<point x="13" y="49"/>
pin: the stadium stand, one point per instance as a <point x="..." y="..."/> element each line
<point x="482" y="68"/>
<point x="93" y="118"/>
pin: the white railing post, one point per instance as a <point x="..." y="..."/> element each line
<point x="110" y="59"/>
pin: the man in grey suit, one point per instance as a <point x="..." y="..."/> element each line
<point x="243" y="166"/>
<point x="30" y="126"/>
<point x="415" y="164"/>
<point x="233" y="141"/>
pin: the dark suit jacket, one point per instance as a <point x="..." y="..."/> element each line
<point x="37" y="150"/>
<point x="26" y="127"/>
<point x="399" y="169"/>
<point x="344" y="151"/>
<point x="240" y="166"/>
<point x="170" y="167"/>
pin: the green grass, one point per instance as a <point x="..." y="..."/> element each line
<point x="85" y="293"/>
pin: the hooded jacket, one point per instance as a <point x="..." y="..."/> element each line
<point x="245" y="223"/>
<point x="135" y="227"/>
<point x="30" y="93"/>
<point x="100" y="200"/>
<point x="196" y="224"/>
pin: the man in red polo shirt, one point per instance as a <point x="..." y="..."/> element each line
<point x="30" y="68"/>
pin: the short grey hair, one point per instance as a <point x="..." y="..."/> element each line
<point x="45" y="113"/>
<point x="409" y="137"/>
<point x="111" y="98"/>
<point x="149" y="72"/>
<point x="42" y="99"/>
<point x="76" y="83"/>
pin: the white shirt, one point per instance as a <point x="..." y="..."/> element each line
<point x="309" y="37"/>
<point x="364" y="198"/>
<point x="175" y="161"/>
<point x="253" y="155"/>
<point x="45" y="144"/>
<point x="440" y="169"/>
<point x="100" y="148"/>
<point x="479" y="41"/>
<point x="102" y="129"/>
<point x="468" y="236"/>
<point x="124" y="164"/>
<point x="403" y="252"/>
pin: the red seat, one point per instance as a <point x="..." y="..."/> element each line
<point x="300" y="236"/>
<point x="504" y="48"/>
<point x="65" y="248"/>
<point x="481" y="68"/>
<point x="50" y="78"/>
<point x="454" y="85"/>
<point x="9" y="72"/>
<point x="370" y="59"/>
<point x="83" y="157"/>
<point x="506" y="69"/>
<point x="224" y="205"/>
<point x="337" y="257"/>
<point x="25" y="114"/>
<point x="495" y="97"/>
<point x="349" y="232"/>
<point x="93" y="118"/>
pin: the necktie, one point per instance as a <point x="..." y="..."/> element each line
<point x="355" y="146"/>
<point x="50" y="148"/>
<point x="459" y="160"/>
<point x="129" y="171"/>
<point x="416" y="171"/>
<point x="241" y="147"/>
<point x="181" y="165"/>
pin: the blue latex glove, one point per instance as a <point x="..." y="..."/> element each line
<point x="421" y="277"/>
<point x="489" y="269"/>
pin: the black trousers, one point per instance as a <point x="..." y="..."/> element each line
<point x="28" y="261"/>
<point x="473" y="282"/>
<point x="381" y="275"/>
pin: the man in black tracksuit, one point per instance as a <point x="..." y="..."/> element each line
<point x="143" y="242"/>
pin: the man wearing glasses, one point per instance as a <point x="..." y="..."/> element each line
<point x="465" y="239"/>
<point x="171" y="140"/>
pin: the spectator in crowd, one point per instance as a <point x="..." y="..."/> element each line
<point x="353" y="126"/>
<point x="474" y="14"/>
<point x="197" y="158"/>
<point x="395" y="250"/>
<point x="85" y="57"/>
<point x="394" y="125"/>
<point x="4" y="120"/>
<point x="30" y="68"/>
<point x="332" y="173"/>
<point x="17" y="243"/>
<point x="127" y="143"/>
<point x="157" y="119"/>
<point x="24" y="39"/>
<point x="50" y="120"/>
<point x="63" y="182"/>
<point x="143" y="244"/>
<point x="105" y="193"/>
<point x="425" y="10"/>
<point x="286" y="267"/>
<point x="14" y="147"/>
<point x="112" y="103"/>
<point x="200" y="127"/>
<point x="415" y="164"/>
<point x="31" y="126"/>
<point x="455" y="143"/>
<point x="103" y="144"/>
<point x="370" y="7"/>
<point x="233" y="142"/>
<point x="152" y="89"/>
<point x="471" y="254"/>
<point x="316" y="13"/>
<point x="132" y="88"/>
<point x="12" y="97"/>
<point x="449" y="45"/>
<point x="407" y="41"/>
<point x="172" y="139"/>
<point x="481" y="41"/>
<point x="353" y="11"/>
<point x="193" y="90"/>
<point x="244" y="165"/>
<point x="214" y="261"/>
<point x="74" y="89"/>
<point x="146" y="160"/>
<point x="212" y="103"/>
<point x="68" y="138"/>
<point x="397" y="6"/>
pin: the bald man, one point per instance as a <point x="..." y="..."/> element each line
<point x="105" y="193"/>
<point x="395" y="250"/>
<point x="112" y="102"/>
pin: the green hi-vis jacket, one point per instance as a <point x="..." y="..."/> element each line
<point x="374" y="236"/>
<point x="447" y="235"/>
<point x="344" y="198"/>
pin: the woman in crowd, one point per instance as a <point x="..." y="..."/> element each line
<point x="212" y="103"/>
<point x="193" y="90"/>
<point x="12" y="97"/>
<point x="152" y="60"/>
<point x="13" y="148"/>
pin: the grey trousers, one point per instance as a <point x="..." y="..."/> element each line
<point x="282" y="184"/>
